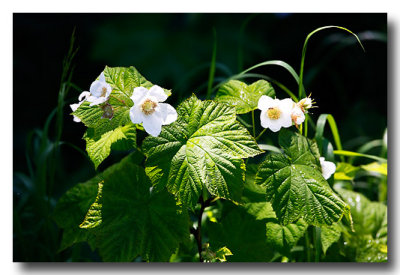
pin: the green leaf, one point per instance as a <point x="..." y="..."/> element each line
<point x="329" y="235"/>
<point x="368" y="242"/>
<point x="295" y="185"/>
<point x="124" y="80"/>
<point x="243" y="234"/>
<point x="345" y="171"/>
<point x="71" y="209"/>
<point x="93" y="217"/>
<point x="109" y="122"/>
<point x="98" y="144"/>
<point x="221" y="254"/>
<point x="284" y="237"/>
<point x="202" y="149"/>
<point x="368" y="217"/>
<point x="242" y="96"/>
<point x="136" y="220"/>
<point x="375" y="167"/>
<point x="251" y="191"/>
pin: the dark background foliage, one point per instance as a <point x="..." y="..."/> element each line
<point x="174" y="51"/>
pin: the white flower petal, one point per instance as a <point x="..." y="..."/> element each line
<point x="108" y="90"/>
<point x="285" y="120"/>
<point x="275" y="125"/>
<point x="158" y="93"/>
<point x="91" y="98"/>
<point x="265" y="102"/>
<point x="74" y="106"/>
<point x="328" y="168"/>
<point x="264" y="119"/>
<point x="298" y="116"/>
<point x="96" y="88"/>
<point x="98" y="101"/>
<point x="168" y="113"/>
<point x="152" y="123"/>
<point x="139" y="93"/>
<point x="102" y="78"/>
<point x="84" y="95"/>
<point x="77" y="119"/>
<point x="286" y="105"/>
<point x="136" y="115"/>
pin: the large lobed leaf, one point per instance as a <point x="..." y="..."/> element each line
<point x="109" y="126"/>
<point x="124" y="218"/>
<point x="71" y="209"/>
<point x="202" y="149"/>
<point x="137" y="221"/>
<point x="295" y="186"/>
<point x="242" y="96"/>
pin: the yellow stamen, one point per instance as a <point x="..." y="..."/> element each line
<point x="148" y="107"/>
<point x="274" y="113"/>
<point x="103" y="92"/>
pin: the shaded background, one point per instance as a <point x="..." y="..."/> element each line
<point x="174" y="51"/>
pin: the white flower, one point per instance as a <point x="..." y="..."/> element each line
<point x="275" y="113"/>
<point x="305" y="104"/>
<point x="100" y="90"/>
<point x="149" y="110"/>
<point x="297" y="115"/>
<point x="82" y="97"/>
<point x="328" y="168"/>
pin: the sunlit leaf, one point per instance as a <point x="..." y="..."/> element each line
<point x="295" y="186"/>
<point x="242" y="96"/>
<point x="202" y="149"/>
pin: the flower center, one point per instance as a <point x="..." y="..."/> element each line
<point x="103" y="92"/>
<point x="148" y="107"/>
<point x="274" y="113"/>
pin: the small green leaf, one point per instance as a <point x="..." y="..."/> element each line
<point x="98" y="145"/>
<point x="221" y="254"/>
<point x="375" y="167"/>
<point x="202" y="149"/>
<point x="242" y="96"/>
<point x="284" y="237"/>
<point x="295" y="186"/>
<point x="345" y="171"/>
<point x="330" y="235"/>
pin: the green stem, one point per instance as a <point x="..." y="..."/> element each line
<point x="317" y="242"/>
<point x="307" y="246"/>
<point x="306" y="126"/>
<point x="212" y="66"/>
<point x="303" y="54"/>
<point x="197" y="232"/>
<point x="254" y="126"/>
<point x="262" y="132"/>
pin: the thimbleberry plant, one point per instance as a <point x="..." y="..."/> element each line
<point x="201" y="187"/>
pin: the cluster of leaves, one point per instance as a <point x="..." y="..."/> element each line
<point x="258" y="212"/>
